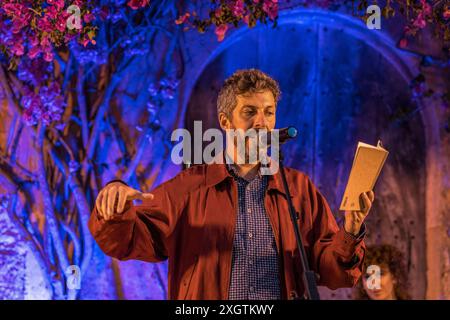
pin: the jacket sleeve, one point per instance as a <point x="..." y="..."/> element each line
<point x="141" y="231"/>
<point x="337" y="256"/>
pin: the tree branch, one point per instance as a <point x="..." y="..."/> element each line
<point x="48" y="204"/>
<point x="99" y="117"/>
<point x="82" y="104"/>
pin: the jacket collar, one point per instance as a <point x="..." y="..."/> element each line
<point x="216" y="172"/>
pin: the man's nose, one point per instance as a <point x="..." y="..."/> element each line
<point x="260" y="121"/>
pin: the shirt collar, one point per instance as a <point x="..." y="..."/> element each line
<point x="217" y="172"/>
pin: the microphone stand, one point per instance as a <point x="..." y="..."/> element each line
<point x="308" y="276"/>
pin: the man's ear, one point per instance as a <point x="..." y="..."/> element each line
<point x="224" y="121"/>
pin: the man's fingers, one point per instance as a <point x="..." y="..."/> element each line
<point x="367" y="202"/>
<point x="133" y="194"/>
<point x="371" y="196"/>
<point x="139" y="195"/>
<point x="98" y="203"/>
<point x="144" y="196"/>
<point x="104" y="202"/>
<point x="112" y="193"/>
<point x="148" y="196"/>
<point x="122" y="199"/>
<point x="106" y="199"/>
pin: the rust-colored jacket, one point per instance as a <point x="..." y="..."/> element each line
<point x="191" y="221"/>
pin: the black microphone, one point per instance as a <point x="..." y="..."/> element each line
<point x="284" y="135"/>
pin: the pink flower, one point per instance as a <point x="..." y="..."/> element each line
<point x="218" y="12"/>
<point x="447" y="14"/>
<point x="59" y="4"/>
<point x="17" y="49"/>
<point x="79" y="3"/>
<point x="136" y="4"/>
<point x="426" y="7"/>
<point x="51" y="12"/>
<point x="46" y="118"/>
<point x="69" y="37"/>
<point x="33" y="52"/>
<point x="13" y="9"/>
<point x="17" y="25"/>
<point x="31" y="101"/>
<point x="220" y="31"/>
<point x="61" y="23"/>
<point x="403" y="43"/>
<point x="45" y="25"/>
<point x="29" y="118"/>
<point x="34" y="41"/>
<point x="271" y="8"/>
<point x="238" y="8"/>
<point x="48" y="55"/>
<point x="182" y="19"/>
<point x="88" y="17"/>
<point x="420" y="22"/>
<point x="86" y="40"/>
<point x="45" y="41"/>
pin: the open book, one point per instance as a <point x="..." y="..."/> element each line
<point x="366" y="168"/>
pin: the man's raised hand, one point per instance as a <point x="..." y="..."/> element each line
<point x="112" y="198"/>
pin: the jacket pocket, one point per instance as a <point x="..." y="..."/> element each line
<point x="187" y="279"/>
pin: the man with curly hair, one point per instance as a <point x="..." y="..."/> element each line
<point x="225" y="227"/>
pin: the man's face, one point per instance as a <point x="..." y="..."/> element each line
<point x="253" y="111"/>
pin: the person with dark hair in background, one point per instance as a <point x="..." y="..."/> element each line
<point x="393" y="276"/>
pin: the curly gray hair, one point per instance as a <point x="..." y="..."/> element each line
<point x="241" y="82"/>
